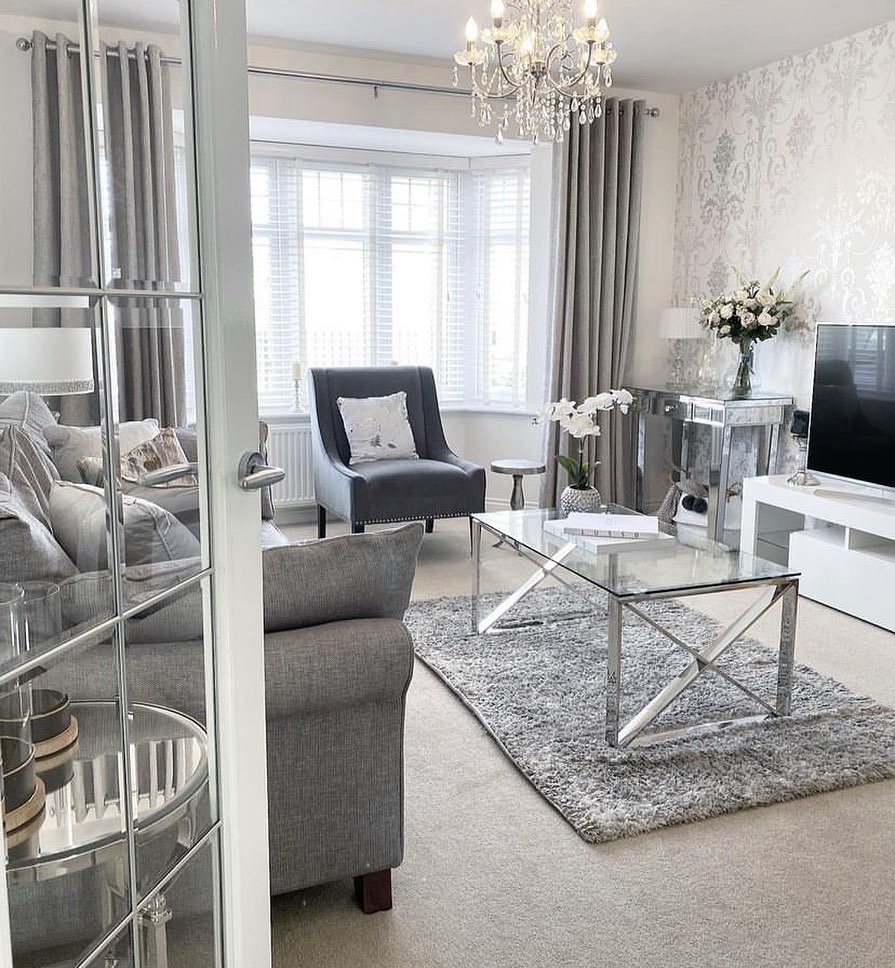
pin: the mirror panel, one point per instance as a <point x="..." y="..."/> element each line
<point x="160" y="479"/>
<point x="171" y="722"/>
<point x="144" y="147"/>
<point x="64" y="817"/>
<point x="45" y="153"/>
<point x="178" y="924"/>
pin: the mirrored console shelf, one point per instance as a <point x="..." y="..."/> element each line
<point x="842" y="540"/>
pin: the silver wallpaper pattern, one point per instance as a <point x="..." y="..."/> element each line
<point x="792" y="165"/>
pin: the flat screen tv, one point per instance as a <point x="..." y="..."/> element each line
<point x="852" y="432"/>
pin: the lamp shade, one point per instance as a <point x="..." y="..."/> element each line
<point x="53" y="360"/>
<point x="680" y="322"/>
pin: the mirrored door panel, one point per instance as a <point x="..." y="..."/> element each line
<point x="178" y="925"/>
<point x="145" y="147"/>
<point x="65" y="804"/>
<point x="45" y="151"/>
<point x="54" y="503"/>
<point x="171" y="716"/>
<point x="160" y="476"/>
<point x="106" y="660"/>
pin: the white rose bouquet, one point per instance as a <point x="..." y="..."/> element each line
<point x="752" y="313"/>
<point x="580" y="422"/>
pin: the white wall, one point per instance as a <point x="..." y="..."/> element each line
<point x="791" y="166"/>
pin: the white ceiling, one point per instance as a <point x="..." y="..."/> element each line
<point x="664" y="45"/>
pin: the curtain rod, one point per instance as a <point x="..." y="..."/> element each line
<point x="24" y="44"/>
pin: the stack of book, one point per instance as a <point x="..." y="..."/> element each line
<point x="613" y="531"/>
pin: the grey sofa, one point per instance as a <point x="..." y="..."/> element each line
<point x="438" y="485"/>
<point x="338" y="662"/>
<point x="338" y="665"/>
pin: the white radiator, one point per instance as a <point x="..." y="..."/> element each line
<point x="289" y="447"/>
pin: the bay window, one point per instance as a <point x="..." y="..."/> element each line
<point x="364" y="263"/>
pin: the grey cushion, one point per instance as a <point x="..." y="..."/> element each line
<point x="28" y="551"/>
<point x="29" y="470"/>
<point x="151" y="534"/>
<point x="352" y="576"/>
<point x="182" y="502"/>
<point x="70" y="443"/>
<point x="30" y="413"/>
<point x="88" y="596"/>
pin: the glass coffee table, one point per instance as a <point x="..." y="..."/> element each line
<point x="83" y="825"/>
<point x="633" y="572"/>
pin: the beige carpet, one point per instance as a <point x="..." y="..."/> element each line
<point x="492" y="876"/>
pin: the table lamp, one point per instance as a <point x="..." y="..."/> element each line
<point x="51" y="361"/>
<point x="678" y="323"/>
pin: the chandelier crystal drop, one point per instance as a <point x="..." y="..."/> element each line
<point x="548" y="72"/>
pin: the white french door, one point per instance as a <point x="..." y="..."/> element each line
<point x="132" y="729"/>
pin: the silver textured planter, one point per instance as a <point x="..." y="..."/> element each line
<point x="580" y="499"/>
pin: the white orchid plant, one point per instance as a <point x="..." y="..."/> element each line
<point x="581" y="422"/>
<point x="751" y="313"/>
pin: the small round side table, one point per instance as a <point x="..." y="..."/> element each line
<point x="518" y="468"/>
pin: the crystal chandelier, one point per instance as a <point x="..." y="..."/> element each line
<point x="545" y="70"/>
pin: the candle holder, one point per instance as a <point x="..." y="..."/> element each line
<point x="799" y="431"/>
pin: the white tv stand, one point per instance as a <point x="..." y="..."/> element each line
<point x="841" y="540"/>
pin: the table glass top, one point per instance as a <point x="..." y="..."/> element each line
<point x="84" y="811"/>
<point x="668" y="564"/>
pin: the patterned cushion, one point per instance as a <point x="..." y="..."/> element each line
<point x="163" y="450"/>
<point x="28" y="551"/>
<point x="70" y="443"/>
<point x="92" y="471"/>
<point x="378" y="428"/>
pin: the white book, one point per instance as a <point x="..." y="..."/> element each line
<point x="611" y="525"/>
<point x="604" y="544"/>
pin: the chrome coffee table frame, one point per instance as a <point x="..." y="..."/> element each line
<point x="781" y="588"/>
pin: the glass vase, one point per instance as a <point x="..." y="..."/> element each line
<point x="742" y="382"/>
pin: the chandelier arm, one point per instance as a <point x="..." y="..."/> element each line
<point x="514" y="87"/>
<point x="568" y="90"/>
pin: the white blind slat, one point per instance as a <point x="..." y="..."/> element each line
<point x="375" y="264"/>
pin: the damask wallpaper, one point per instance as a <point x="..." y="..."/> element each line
<point x="792" y="166"/>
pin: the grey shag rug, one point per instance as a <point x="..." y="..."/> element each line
<point x="539" y="690"/>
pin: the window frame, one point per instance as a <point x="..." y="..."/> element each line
<point x="473" y="393"/>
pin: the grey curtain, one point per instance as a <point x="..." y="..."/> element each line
<point x="140" y="151"/>
<point x="597" y="182"/>
<point x="62" y="220"/>
<point x="137" y="152"/>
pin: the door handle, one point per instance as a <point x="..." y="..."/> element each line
<point x="167" y="474"/>
<point x="254" y="474"/>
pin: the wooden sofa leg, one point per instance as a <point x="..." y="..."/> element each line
<point x="357" y="528"/>
<point x="321" y="521"/>
<point x="430" y="525"/>
<point x="374" y="891"/>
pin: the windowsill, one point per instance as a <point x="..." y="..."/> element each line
<point x="503" y="410"/>
<point x="303" y="417"/>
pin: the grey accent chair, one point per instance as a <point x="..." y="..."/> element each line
<point x="438" y="485"/>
